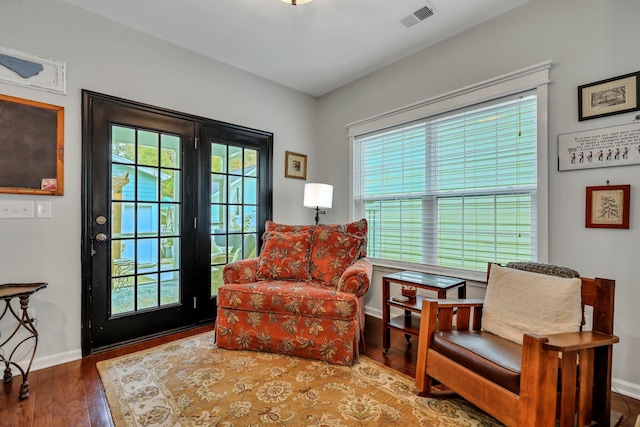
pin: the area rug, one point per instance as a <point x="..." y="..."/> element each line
<point x="191" y="382"/>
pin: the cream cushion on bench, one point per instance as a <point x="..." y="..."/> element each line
<point x="519" y="302"/>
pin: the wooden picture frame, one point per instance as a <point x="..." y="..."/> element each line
<point x="608" y="206"/>
<point x="32" y="142"/>
<point x="608" y="97"/>
<point x="295" y="165"/>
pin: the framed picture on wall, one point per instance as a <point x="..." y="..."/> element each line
<point x="295" y="165"/>
<point x="608" y="206"/>
<point x="608" y="97"/>
<point x="32" y="141"/>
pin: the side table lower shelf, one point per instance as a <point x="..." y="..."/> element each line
<point x="409" y="323"/>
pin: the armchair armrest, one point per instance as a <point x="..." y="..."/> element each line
<point x="241" y="271"/>
<point x="585" y="355"/>
<point x="574" y="341"/>
<point x="357" y="277"/>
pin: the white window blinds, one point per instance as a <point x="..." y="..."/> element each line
<point x="456" y="190"/>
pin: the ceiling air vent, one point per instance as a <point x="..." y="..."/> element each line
<point x="417" y="16"/>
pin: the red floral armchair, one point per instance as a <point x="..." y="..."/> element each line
<point x="303" y="296"/>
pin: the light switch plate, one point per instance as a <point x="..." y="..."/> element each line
<point x="10" y="209"/>
<point x="43" y="209"/>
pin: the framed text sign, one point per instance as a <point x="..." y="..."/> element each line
<point x="32" y="146"/>
<point x="599" y="148"/>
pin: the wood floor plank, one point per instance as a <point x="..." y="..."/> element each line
<point x="77" y="407"/>
<point x="72" y="395"/>
<point x="43" y="395"/>
<point x="59" y="402"/>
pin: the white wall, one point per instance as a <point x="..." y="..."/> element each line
<point x="587" y="41"/>
<point x="108" y="58"/>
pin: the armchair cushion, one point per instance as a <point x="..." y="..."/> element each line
<point x="519" y="302"/>
<point x="494" y="358"/>
<point x="285" y="256"/>
<point x="334" y="251"/>
<point x="289" y="297"/>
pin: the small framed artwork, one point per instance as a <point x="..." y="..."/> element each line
<point x="608" y="206"/>
<point x="295" y="165"/>
<point x="608" y="97"/>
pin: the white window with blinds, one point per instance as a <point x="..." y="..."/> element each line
<point x="454" y="190"/>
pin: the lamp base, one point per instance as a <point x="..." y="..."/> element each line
<point x="318" y="212"/>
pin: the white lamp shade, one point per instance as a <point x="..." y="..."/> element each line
<point x="318" y="195"/>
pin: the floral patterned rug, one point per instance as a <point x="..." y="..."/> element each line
<point x="191" y="382"/>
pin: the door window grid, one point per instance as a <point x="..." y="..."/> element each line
<point x="234" y="207"/>
<point x="145" y="208"/>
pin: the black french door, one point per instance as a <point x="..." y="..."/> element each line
<point x="160" y="188"/>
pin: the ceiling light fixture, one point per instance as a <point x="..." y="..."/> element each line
<point x="296" y="2"/>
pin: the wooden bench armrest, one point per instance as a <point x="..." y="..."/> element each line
<point x="574" y="341"/>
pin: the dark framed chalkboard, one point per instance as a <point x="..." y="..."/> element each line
<point x="31" y="147"/>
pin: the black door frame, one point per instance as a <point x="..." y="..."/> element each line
<point x="205" y="312"/>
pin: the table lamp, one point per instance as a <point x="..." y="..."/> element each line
<point x="318" y="196"/>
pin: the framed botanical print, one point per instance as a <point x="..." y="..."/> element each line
<point x="608" y="206"/>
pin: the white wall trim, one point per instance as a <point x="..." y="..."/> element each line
<point x="626" y="388"/>
<point x="55" y="359"/>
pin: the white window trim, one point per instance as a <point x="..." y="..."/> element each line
<point x="533" y="77"/>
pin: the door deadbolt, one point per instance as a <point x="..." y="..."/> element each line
<point x="101" y="220"/>
<point x="101" y="237"/>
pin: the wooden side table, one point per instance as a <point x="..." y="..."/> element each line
<point x="409" y="323"/>
<point x="22" y="291"/>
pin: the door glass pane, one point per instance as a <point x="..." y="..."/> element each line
<point x="218" y="158"/>
<point x="169" y="287"/>
<point x="147" y="291"/>
<point x="147" y="188"/>
<point x="250" y="190"/>
<point x="249" y="219"/>
<point x="169" y="178"/>
<point x="169" y="218"/>
<point x="250" y="162"/>
<point x="234" y="207"/>
<point x="170" y="151"/>
<point x="148" y="148"/>
<point x="123" y="143"/>
<point x="218" y="188"/>
<point x="145" y="220"/>
<point x="235" y="160"/>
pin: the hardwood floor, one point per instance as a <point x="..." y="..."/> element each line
<point x="71" y="394"/>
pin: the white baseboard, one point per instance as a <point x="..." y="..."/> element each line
<point x="626" y="388"/>
<point x="56" y="359"/>
<point x="373" y="312"/>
